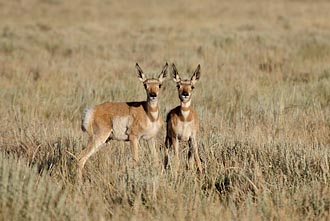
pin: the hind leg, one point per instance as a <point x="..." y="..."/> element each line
<point x="94" y="144"/>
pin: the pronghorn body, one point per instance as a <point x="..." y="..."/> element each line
<point x="125" y="121"/>
<point x="182" y="121"/>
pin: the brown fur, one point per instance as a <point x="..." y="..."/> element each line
<point x="176" y="114"/>
<point x="182" y="121"/>
<point x="126" y="121"/>
<point x="139" y="113"/>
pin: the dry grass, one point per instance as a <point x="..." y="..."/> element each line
<point x="263" y="101"/>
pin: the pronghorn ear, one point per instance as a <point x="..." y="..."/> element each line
<point x="196" y="75"/>
<point x="140" y="74"/>
<point x="163" y="74"/>
<point x="175" y="73"/>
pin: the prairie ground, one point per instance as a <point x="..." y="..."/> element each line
<point x="263" y="102"/>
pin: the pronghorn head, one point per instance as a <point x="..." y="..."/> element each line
<point x="185" y="87"/>
<point x="152" y="85"/>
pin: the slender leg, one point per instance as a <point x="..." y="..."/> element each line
<point x="190" y="153"/>
<point x="94" y="144"/>
<point x="134" y="143"/>
<point x="175" y="143"/>
<point x="168" y="144"/>
<point x="194" y="150"/>
<point x="152" y="144"/>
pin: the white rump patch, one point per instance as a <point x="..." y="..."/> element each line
<point x="87" y="117"/>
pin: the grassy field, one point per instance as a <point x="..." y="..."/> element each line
<point x="263" y="102"/>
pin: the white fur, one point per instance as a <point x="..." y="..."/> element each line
<point x="153" y="102"/>
<point x="120" y="126"/>
<point x="152" y="129"/>
<point x="185" y="130"/>
<point x="186" y="104"/>
<point x="87" y="117"/>
<point x="185" y="114"/>
<point x="154" y="114"/>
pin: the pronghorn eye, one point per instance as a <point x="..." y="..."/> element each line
<point x="192" y="87"/>
<point x="178" y="86"/>
<point x="160" y="86"/>
<point x="145" y="86"/>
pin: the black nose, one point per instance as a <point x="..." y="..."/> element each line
<point x="186" y="94"/>
<point x="153" y="95"/>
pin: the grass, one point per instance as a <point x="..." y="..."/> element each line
<point x="263" y="103"/>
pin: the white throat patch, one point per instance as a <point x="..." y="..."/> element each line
<point x="154" y="114"/>
<point x="185" y="114"/>
<point x="186" y="104"/>
<point x="153" y="103"/>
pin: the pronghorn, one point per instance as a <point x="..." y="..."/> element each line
<point x="125" y="121"/>
<point x="182" y="121"/>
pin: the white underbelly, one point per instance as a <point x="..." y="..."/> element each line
<point x="151" y="130"/>
<point x="184" y="130"/>
<point x="120" y="126"/>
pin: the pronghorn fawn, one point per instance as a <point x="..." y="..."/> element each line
<point x="182" y="121"/>
<point x="125" y="121"/>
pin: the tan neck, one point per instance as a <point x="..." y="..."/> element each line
<point x="153" y="110"/>
<point x="185" y="110"/>
<point x="185" y="106"/>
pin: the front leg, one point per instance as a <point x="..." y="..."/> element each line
<point x="175" y="143"/>
<point x="152" y="145"/>
<point x="168" y="144"/>
<point x="134" y="143"/>
<point x="193" y="149"/>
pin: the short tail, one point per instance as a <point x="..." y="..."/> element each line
<point x="87" y="118"/>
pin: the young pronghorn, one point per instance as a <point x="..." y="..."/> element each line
<point x="126" y="121"/>
<point x="182" y="121"/>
